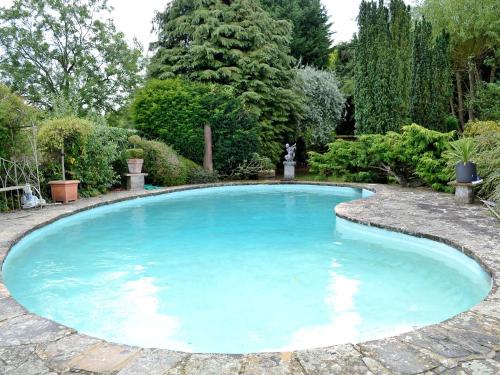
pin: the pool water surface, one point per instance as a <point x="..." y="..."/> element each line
<point x="238" y="269"/>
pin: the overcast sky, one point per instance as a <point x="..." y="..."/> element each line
<point x="134" y="17"/>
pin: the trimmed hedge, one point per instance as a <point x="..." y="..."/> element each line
<point x="175" y="111"/>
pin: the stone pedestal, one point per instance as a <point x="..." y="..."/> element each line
<point x="464" y="192"/>
<point x="289" y="174"/>
<point x="135" y="181"/>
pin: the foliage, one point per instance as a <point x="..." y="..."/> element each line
<point x="341" y="62"/>
<point x="175" y="111"/>
<point x="57" y="48"/>
<point x="462" y="150"/>
<point x="310" y="42"/>
<point x="431" y="77"/>
<point x="163" y="165"/>
<point x="411" y="157"/>
<point x="233" y="43"/>
<point x="14" y="115"/>
<point x="252" y="167"/>
<point x="487" y="101"/>
<point x="202" y="176"/>
<point x="474" y="26"/>
<point x="383" y="56"/>
<point x="92" y="152"/>
<point x="323" y="107"/>
<point x="486" y="136"/>
<point x="474" y="128"/>
<point x="134" y="153"/>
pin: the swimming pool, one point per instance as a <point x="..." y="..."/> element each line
<point x="238" y="269"/>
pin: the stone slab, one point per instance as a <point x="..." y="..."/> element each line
<point x="104" y="358"/>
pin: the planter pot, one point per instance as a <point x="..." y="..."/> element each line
<point x="135" y="165"/>
<point x="466" y="172"/>
<point x="266" y="175"/>
<point x="64" y="191"/>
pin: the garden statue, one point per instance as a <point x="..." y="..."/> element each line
<point x="28" y="200"/>
<point x="289" y="163"/>
<point x="290" y="152"/>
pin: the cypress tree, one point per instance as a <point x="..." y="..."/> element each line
<point x="235" y="43"/>
<point x="431" y="77"/>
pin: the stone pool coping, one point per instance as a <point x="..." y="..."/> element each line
<point x="468" y="343"/>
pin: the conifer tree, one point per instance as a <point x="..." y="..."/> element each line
<point x="431" y="77"/>
<point x="311" y="29"/>
<point x="235" y="43"/>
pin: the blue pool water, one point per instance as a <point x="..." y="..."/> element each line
<point x="238" y="269"/>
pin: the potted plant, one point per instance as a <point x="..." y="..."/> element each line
<point x="461" y="154"/>
<point x="135" y="160"/>
<point x="55" y="136"/>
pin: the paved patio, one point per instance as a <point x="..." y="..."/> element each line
<point x="468" y="343"/>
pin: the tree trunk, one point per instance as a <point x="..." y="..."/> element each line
<point x="452" y="107"/>
<point x="493" y="73"/>
<point x="207" y="157"/>
<point x="472" y="91"/>
<point x="460" y="96"/>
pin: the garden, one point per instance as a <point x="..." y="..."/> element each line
<point x="247" y="184"/>
<point x="353" y="109"/>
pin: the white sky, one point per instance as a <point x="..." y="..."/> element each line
<point x="134" y="17"/>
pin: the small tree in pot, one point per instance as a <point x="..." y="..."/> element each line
<point x="460" y="155"/>
<point x="56" y="136"/>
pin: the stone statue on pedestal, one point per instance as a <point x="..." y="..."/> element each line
<point x="289" y="163"/>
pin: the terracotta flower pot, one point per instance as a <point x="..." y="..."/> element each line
<point x="135" y="165"/>
<point x="64" y="191"/>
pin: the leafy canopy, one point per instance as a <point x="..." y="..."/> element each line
<point x="64" y="48"/>
<point x="323" y="106"/>
<point x="234" y="43"/>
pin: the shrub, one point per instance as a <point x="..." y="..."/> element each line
<point x="251" y="168"/>
<point x="175" y="111"/>
<point x="324" y="104"/>
<point x="411" y="157"/>
<point x="474" y="128"/>
<point x="202" y="176"/>
<point x="163" y="165"/>
<point x="92" y="152"/>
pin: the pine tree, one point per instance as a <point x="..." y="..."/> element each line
<point x="311" y="29"/>
<point x="235" y="43"/>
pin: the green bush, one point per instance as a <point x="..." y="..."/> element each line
<point x="411" y="157"/>
<point x="474" y="128"/>
<point x="175" y="112"/>
<point x="93" y="153"/>
<point x="163" y="165"/>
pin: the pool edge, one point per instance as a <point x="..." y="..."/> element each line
<point x="353" y="211"/>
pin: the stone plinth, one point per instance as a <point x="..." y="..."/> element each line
<point x="289" y="174"/>
<point x="464" y="191"/>
<point x="135" y="181"/>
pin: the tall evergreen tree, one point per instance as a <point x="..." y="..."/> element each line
<point x="236" y="43"/>
<point x="382" y="67"/>
<point x="431" y="77"/>
<point x="311" y="30"/>
<point x="400" y="29"/>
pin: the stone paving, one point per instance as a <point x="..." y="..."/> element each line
<point x="468" y="343"/>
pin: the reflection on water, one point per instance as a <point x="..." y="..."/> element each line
<point x="344" y="320"/>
